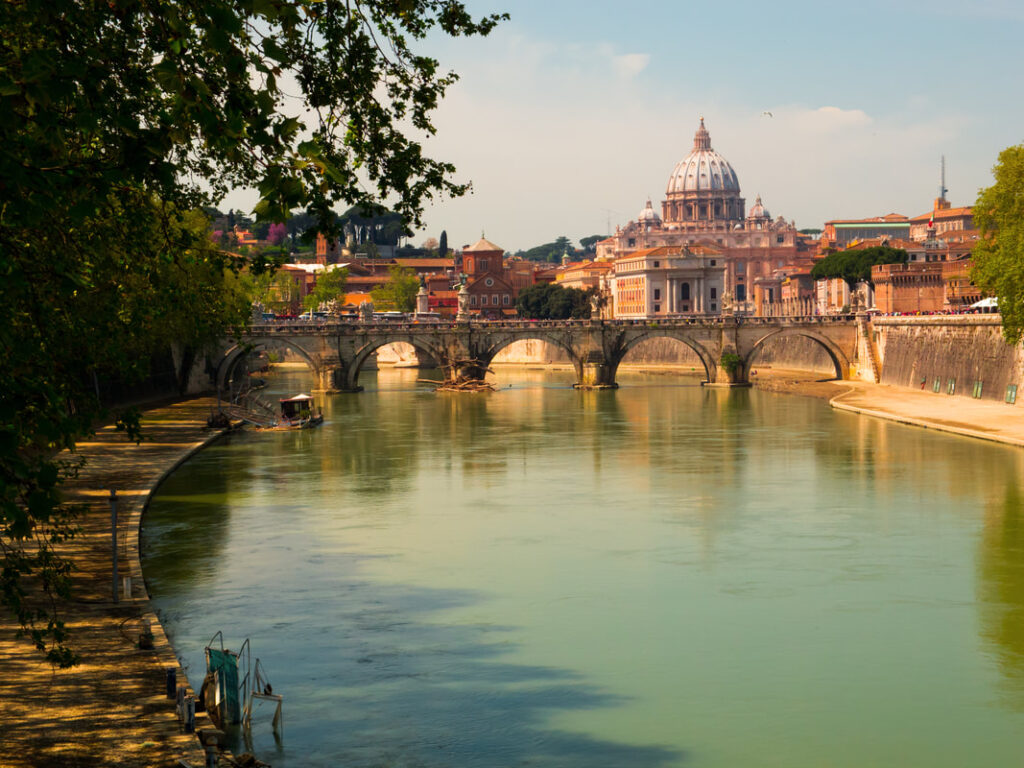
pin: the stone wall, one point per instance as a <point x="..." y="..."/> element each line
<point x="792" y="352"/>
<point x="796" y="353"/>
<point x="965" y="348"/>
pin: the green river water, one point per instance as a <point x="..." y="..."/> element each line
<point x="660" y="575"/>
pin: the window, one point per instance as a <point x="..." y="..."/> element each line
<point x="483" y="265"/>
<point x="741" y="292"/>
<point x="1011" y="393"/>
<point x="657" y="294"/>
<point x="632" y="242"/>
<point x="657" y="264"/>
<point x="713" y="262"/>
<point x="505" y="298"/>
<point x="472" y="300"/>
<point x="714" y="307"/>
<point x="780" y="239"/>
<point x="657" y="307"/>
<point x="741" y="267"/>
<point x="714" y="293"/>
<point x="684" y="291"/>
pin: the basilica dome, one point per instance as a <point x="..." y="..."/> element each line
<point x="758" y="211"/>
<point x="703" y="169"/>
<point x="648" y="215"/>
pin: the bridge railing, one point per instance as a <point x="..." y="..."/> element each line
<point x="333" y="325"/>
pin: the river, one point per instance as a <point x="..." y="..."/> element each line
<point x="660" y="575"/>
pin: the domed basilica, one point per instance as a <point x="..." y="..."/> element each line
<point x="703" y="206"/>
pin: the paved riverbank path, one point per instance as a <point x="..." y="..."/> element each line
<point x="111" y="710"/>
<point x="982" y="419"/>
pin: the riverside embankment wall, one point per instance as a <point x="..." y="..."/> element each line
<point x="964" y="349"/>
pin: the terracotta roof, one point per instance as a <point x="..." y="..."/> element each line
<point x="889" y="218"/>
<point x="483" y="245"/>
<point x="948" y="213"/>
<point x="663" y="250"/>
<point x="356" y="299"/>
<point x="442" y="263"/>
<point x="892" y="242"/>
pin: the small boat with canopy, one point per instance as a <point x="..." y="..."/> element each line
<point x="299" y="412"/>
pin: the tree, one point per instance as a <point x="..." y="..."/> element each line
<point x="549" y="251"/>
<point x="102" y="261"/>
<point x="854" y="265"/>
<point x="398" y="294"/>
<point x="999" y="253"/>
<point x="330" y="286"/>
<point x="442" y="247"/>
<point x="589" y="242"/>
<point x="276" y="233"/>
<point x="430" y="244"/>
<point x="551" y="301"/>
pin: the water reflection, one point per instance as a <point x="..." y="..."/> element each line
<point x="546" y="576"/>
<point x="1001" y="588"/>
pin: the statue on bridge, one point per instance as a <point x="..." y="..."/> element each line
<point x="463" y="313"/>
<point x="366" y="312"/>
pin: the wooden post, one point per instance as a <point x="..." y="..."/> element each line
<point x="113" y="539"/>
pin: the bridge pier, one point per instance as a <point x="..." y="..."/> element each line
<point x="595" y="372"/>
<point x="731" y="370"/>
<point x="333" y="380"/>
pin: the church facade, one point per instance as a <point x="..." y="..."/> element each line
<point x="703" y="206"/>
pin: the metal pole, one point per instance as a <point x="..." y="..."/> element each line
<point x="113" y="537"/>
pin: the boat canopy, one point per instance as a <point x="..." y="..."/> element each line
<point x="296" y="399"/>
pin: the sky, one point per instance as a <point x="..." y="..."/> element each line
<point x="573" y="113"/>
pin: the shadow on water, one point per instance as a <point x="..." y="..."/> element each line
<point x="399" y="689"/>
<point x="373" y="675"/>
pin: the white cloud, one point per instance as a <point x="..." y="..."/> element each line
<point x="631" y="64"/>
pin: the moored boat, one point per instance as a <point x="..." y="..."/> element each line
<point x="298" y="412"/>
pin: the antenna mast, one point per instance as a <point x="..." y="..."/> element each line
<point x="942" y="178"/>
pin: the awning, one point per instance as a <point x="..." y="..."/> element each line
<point x="989" y="302"/>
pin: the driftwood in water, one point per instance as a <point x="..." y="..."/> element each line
<point x="462" y="383"/>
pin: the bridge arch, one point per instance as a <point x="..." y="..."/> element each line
<point x="840" y="361"/>
<point x="230" y="359"/>
<point x="355" y="365"/>
<point x="706" y="358"/>
<point x="494" y="343"/>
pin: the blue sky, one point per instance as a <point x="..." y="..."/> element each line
<point x="568" y="116"/>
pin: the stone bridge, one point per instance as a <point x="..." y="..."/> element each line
<point x="336" y="352"/>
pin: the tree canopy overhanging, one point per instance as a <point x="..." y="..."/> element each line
<point x="999" y="253"/>
<point x="117" y="120"/>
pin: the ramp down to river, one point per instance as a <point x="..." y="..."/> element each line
<point x="111" y="710"/>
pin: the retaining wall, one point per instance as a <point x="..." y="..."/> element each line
<point x="915" y="351"/>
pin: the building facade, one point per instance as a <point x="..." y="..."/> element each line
<point x="668" y="282"/>
<point x="703" y="206"/>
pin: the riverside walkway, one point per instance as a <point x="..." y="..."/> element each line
<point x="111" y="709"/>
<point x="982" y="419"/>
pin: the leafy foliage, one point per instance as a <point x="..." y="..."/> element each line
<point x="549" y="251"/>
<point x="854" y="265"/>
<point x="119" y="118"/>
<point x="999" y="254"/>
<point x="551" y="301"/>
<point x="590" y="242"/>
<point x="731" y="363"/>
<point x="330" y="286"/>
<point x="398" y="294"/>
